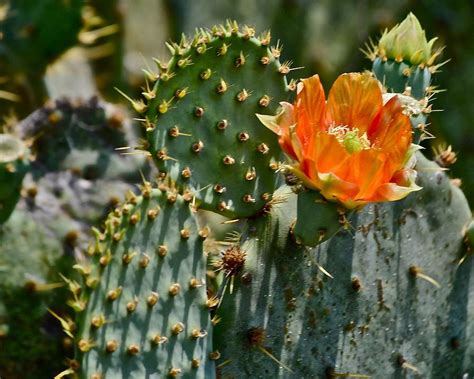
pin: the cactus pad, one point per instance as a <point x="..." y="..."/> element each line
<point x="146" y="312"/>
<point x="201" y="124"/>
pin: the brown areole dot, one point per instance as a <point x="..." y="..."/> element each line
<point x="186" y="173"/>
<point x="248" y="198"/>
<point x="228" y="160"/>
<point x="152" y="299"/>
<point x="173" y="132"/>
<point x="174" y="372"/>
<point x="133" y="349"/>
<point x="195" y="363"/>
<point x="197" y="147"/>
<point x="250" y="174"/>
<point x="131" y="306"/>
<point x="111" y="346"/>
<point x="161" y="154"/>
<point x="97" y="321"/>
<point x="263" y="148"/>
<point x="222" y="124"/>
<point x="185" y="233"/>
<point x="214" y="355"/>
<point x="174" y="289"/>
<point x="243" y="136"/>
<point x="265" y="60"/>
<point x="240" y="60"/>
<point x="113" y="295"/>
<point x="177" y="328"/>
<point x="195" y="283"/>
<point x="144" y="261"/>
<point x="158" y="339"/>
<point x="356" y="284"/>
<point x="242" y="95"/>
<point x="198" y="333"/>
<point x="162" y="250"/>
<point x="222" y="206"/>
<point x="221" y="87"/>
<point x="134" y="218"/>
<point x="206" y="74"/>
<point x="152" y="214"/>
<point x="219" y="189"/>
<point x="199" y="111"/>
<point x="264" y="101"/>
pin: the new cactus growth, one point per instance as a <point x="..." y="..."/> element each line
<point x="147" y="311"/>
<point x="404" y="61"/>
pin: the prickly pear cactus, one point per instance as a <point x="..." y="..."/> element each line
<point x="143" y="311"/>
<point x="383" y="298"/>
<point x="200" y="118"/>
<point x="386" y="296"/>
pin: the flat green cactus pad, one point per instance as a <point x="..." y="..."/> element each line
<point x="201" y="124"/>
<point x="146" y="312"/>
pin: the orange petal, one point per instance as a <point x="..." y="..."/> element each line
<point x="329" y="155"/>
<point x="354" y="100"/>
<point x="391" y="132"/>
<point x="306" y="172"/>
<point x="367" y="170"/>
<point x="282" y="125"/>
<point x="309" y="109"/>
<point x="334" y="188"/>
<point x="403" y="184"/>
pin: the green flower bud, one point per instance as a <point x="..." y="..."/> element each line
<point x="407" y="42"/>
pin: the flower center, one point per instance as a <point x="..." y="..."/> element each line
<point x="350" y="138"/>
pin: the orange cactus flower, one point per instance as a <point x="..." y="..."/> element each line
<point x="355" y="148"/>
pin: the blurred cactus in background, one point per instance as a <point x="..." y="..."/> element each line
<point x="242" y="226"/>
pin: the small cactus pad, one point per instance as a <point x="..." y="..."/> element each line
<point x="386" y="298"/>
<point x="317" y="219"/>
<point x="146" y="313"/>
<point x="14" y="165"/>
<point x="201" y="124"/>
<point x="403" y="61"/>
